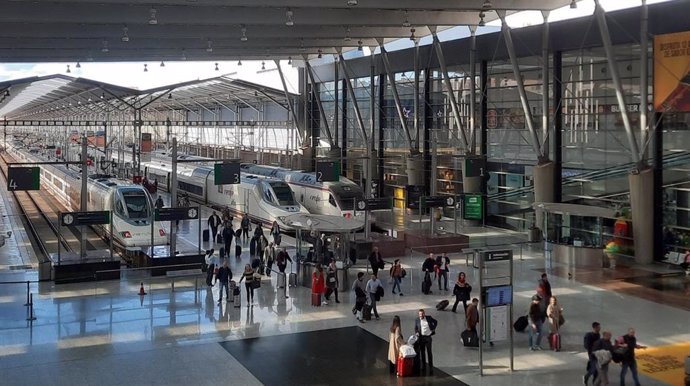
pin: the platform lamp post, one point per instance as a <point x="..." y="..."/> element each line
<point x="173" y="197"/>
<point x="84" y="193"/>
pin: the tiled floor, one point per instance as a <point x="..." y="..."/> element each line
<point x="104" y="333"/>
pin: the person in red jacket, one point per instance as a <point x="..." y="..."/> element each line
<point x="318" y="283"/>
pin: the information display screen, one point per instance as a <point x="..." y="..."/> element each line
<point x="498" y="296"/>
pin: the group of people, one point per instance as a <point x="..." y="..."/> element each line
<point x="601" y="351"/>
<point x="424" y="328"/>
<point x="544" y="310"/>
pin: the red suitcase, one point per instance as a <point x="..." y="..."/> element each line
<point x="555" y="342"/>
<point x="316" y="300"/>
<point x="404" y="367"/>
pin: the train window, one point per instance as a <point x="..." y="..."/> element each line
<point x="283" y="194"/>
<point x="266" y="190"/>
<point x="331" y="200"/>
<point x="137" y="205"/>
<point x="119" y="209"/>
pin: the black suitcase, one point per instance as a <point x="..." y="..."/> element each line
<point x="221" y="252"/>
<point x="470" y="338"/>
<point x="366" y="311"/>
<point x="426" y="284"/>
<point x="219" y="239"/>
<point x="442" y="305"/>
<point x="238" y="232"/>
<point x="521" y="324"/>
<point x="238" y="250"/>
<point x="204" y="235"/>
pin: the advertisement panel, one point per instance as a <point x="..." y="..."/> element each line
<point x="672" y="72"/>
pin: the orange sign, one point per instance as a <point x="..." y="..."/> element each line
<point x="672" y="72"/>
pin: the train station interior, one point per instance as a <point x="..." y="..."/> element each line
<point x="540" y="148"/>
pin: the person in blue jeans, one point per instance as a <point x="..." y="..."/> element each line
<point x="535" y="323"/>
<point x="224" y="276"/>
<point x="629" y="361"/>
<point x="396" y="275"/>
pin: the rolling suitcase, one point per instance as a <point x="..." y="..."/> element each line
<point x="366" y="312"/>
<point x="521" y="324"/>
<point x="404" y="366"/>
<point x="469" y="338"/>
<point x="555" y="341"/>
<point x="292" y="279"/>
<point x="205" y="235"/>
<point x="442" y="305"/>
<point x="316" y="300"/>
<point x="236" y="299"/>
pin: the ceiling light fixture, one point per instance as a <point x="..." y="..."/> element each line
<point x="487" y="4"/>
<point x="209" y="45"/>
<point x="573" y="4"/>
<point x="263" y="65"/>
<point x="78" y="65"/>
<point x="216" y="66"/>
<point x="152" y="17"/>
<point x="68" y="71"/>
<point x="125" y="37"/>
<point x="352" y="3"/>
<point x="146" y="67"/>
<point x="406" y="22"/>
<point x="412" y="37"/>
<point x="239" y="62"/>
<point x="105" y="46"/>
<point x="320" y="54"/>
<point x="288" y="18"/>
<point x="244" y="33"/>
<point x="359" y="45"/>
<point x="347" y="35"/>
<point x="162" y="63"/>
<point x="481" y="19"/>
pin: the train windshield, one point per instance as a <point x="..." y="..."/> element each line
<point x="347" y="195"/>
<point x="283" y="194"/>
<point x="137" y="204"/>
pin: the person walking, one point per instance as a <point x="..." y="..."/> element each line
<point x="275" y="232"/>
<point x="332" y="281"/>
<point x="224" y="277"/>
<point x="228" y="234"/>
<point x="544" y="290"/>
<point x="318" y="283"/>
<point x="372" y="286"/>
<point x="359" y="288"/>
<point x="211" y="265"/>
<point x="245" y="225"/>
<point x="442" y="263"/>
<point x="270" y="256"/>
<point x="589" y="339"/>
<point x="396" y="273"/>
<point x="395" y="340"/>
<point x="461" y="290"/>
<point x="159" y="202"/>
<point x="248" y="277"/>
<point x="376" y="261"/>
<point x="282" y="259"/>
<point x="629" y="361"/>
<point x="554" y="313"/>
<point x="425" y="328"/>
<point x="535" y="323"/>
<point x="213" y="224"/>
<point x="472" y="316"/>
<point x="602" y="378"/>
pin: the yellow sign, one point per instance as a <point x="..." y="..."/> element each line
<point x="664" y="363"/>
<point x="672" y="72"/>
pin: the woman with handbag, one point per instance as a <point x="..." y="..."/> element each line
<point x="395" y="340"/>
<point x="248" y="277"/>
<point x="396" y="273"/>
<point x="275" y="232"/>
<point x="331" y="281"/>
<point x="461" y="291"/>
<point x="554" y="313"/>
<point x="317" y="286"/>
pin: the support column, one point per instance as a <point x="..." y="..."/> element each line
<point x="173" y="197"/>
<point x="415" y="92"/>
<point x="83" y="207"/>
<point x="557" y="126"/>
<point x="473" y="87"/>
<point x="382" y="143"/>
<point x="644" y="76"/>
<point x="642" y="204"/>
<point x="288" y="100"/>
<point x="396" y="97"/>
<point x="336" y="103"/>
<point x="317" y="98"/>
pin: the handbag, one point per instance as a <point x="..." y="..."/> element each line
<point x="561" y="320"/>
<point x="256" y="284"/>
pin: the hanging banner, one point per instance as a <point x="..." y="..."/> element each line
<point x="672" y="72"/>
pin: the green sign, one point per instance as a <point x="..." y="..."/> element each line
<point x="473" y="207"/>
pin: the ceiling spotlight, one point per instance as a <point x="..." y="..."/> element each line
<point x="68" y="70"/>
<point x="152" y="17"/>
<point x="289" y="60"/>
<point x="288" y="18"/>
<point x="209" y="46"/>
<point x="239" y="62"/>
<point x="487" y="4"/>
<point x="146" y="67"/>
<point x="359" y="45"/>
<point x="573" y="4"/>
<point x="406" y="22"/>
<point x="216" y="66"/>
<point x="78" y="65"/>
<point x="352" y="3"/>
<point x="125" y="37"/>
<point x="162" y="63"/>
<point x="170" y="96"/>
<point x="481" y="19"/>
<point x="105" y="46"/>
<point x="347" y="35"/>
<point x="320" y="54"/>
<point x="263" y="65"/>
<point x="244" y="33"/>
<point x="412" y="37"/>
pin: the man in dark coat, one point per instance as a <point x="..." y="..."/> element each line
<point x="424" y="328"/>
<point x="376" y="261"/>
<point x="213" y="223"/>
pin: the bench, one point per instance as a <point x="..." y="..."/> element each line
<point x="185" y="273"/>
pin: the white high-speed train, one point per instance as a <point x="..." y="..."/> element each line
<point x="330" y="198"/>
<point x="129" y="204"/>
<point x="263" y="199"/>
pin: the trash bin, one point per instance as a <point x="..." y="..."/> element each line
<point x="343" y="280"/>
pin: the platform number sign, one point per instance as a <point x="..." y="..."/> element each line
<point x="23" y="178"/>
<point x="227" y="173"/>
<point x="327" y="171"/>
